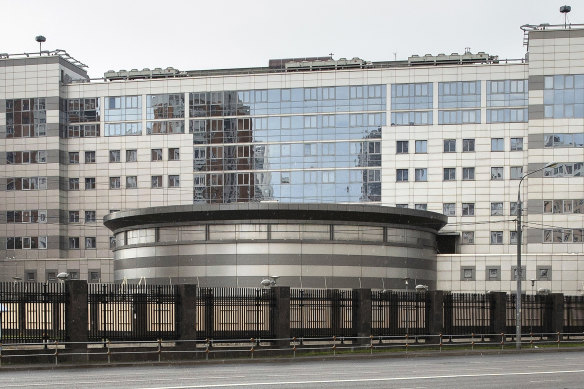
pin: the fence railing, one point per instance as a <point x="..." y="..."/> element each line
<point x="235" y="313"/>
<point x="318" y="313"/>
<point x="77" y="311"/>
<point x="33" y="312"/>
<point x="399" y="313"/>
<point x="132" y="312"/>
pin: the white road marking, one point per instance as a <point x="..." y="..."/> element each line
<point x="334" y="381"/>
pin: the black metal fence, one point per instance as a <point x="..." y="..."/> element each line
<point x="38" y="312"/>
<point x="33" y="312"/>
<point x="466" y="313"/>
<point x="399" y="313"/>
<point x="132" y="312"/>
<point x="574" y="314"/>
<point x="235" y="313"/>
<point x="320" y="313"/>
<point x="536" y="314"/>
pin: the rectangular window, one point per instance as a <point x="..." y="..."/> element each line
<point x="89" y="216"/>
<point x="496" y="173"/>
<point x="74" y="242"/>
<point x="90" y="243"/>
<point x="459" y="94"/>
<point x="173" y="154"/>
<point x="496" y="209"/>
<point x="421" y="146"/>
<point x="402" y="146"/>
<point x="449" y="209"/>
<point x="468" y="209"/>
<point x="516" y="144"/>
<point x="114" y="156"/>
<point x="468" y="173"/>
<point x="513" y="237"/>
<point x="89" y="183"/>
<point x="449" y="174"/>
<point x="497" y="144"/>
<point x="401" y="205"/>
<point x="157" y="181"/>
<point x="90" y="157"/>
<point x="131" y="182"/>
<point x="449" y="145"/>
<point x="73" y="183"/>
<point x="467" y="237"/>
<point x="173" y="181"/>
<point x="496" y="237"/>
<point x="115" y="182"/>
<point x="421" y="207"/>
<point x="513" y="208"/>
<point x="422" y="174"/>
<point x="472" y="116"/>
<point x="156" y="154"/>
<point x="131" y="155"/>
<point x="516" y="172"/>
<point x="401" y="175"/>
<point x="74" y="157"/>
<point x="468" y="145"/>
<point x="73" y="216"/>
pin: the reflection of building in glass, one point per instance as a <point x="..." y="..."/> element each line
<point x="451" y="134"/>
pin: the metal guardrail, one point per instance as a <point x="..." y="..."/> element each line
<point x="165" y="351"/>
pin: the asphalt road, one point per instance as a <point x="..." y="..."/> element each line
<point x="541" y="370"/>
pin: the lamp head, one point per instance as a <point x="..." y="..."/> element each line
<point x="550" y="164"/>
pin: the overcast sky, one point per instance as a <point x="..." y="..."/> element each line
<point x="190" y="35"/>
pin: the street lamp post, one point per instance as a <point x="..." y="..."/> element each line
<point x="518" y="270"/>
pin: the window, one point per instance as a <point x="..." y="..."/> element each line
<point x="496" y="237"/>
<point x="421" y="174"/>
<point x="131" y="155"/>
<point x="131" y="182"/>
<point x="497" y="144"/>
<point x="467" y="237"/>
<point x="115" y="182"/>
<point x="94" y="276"/>
<point x="516" y="144"/>
<point x="73" y="183"/>
<point x="157" y="181"/>
<point x="449" y="145"/>
<point x="449" y="209"/>
<point x="73" y="216"/>
<point x="468" y="209"/>
<point x="516" y="172"/>
<point x="459" y="94"/>
<point x="421" y="207"/>
<point x="544" y="273"/>
<point x="89" y="183"/>
<point x="401" y="205"/>
<point x="496" y="209"/>
<point x="74" y="157"/>
<point x="513" y="237"/>
<point x="89" y="216"/>
<point x="74" y="242"/>
<point x="114" y="156"/>
<point x="468" y="173"/>
<point x="173" y="154"/>
<point x="421" y="146"/>
<point x="173" y="181"/>
<point x="90" y="243"/>
<point x="449" y="174"/>
<point x="402" y="146"/>
<point x="514" y="272"/>
<point x="156" y="154"/>
<point x="513" y="208"/>
<point x="90" y="157"/>
<point x="401" y="175"/>
<point x="468" y="145"/>
<point x="468" y="116"/>
<point x="493" y="273"/>
<point x="467" y="273"/>
<point x="496" y="173"/>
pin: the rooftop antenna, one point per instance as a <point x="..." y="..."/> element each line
<point x="565" y="9"/>
<point x="41" y="39"/>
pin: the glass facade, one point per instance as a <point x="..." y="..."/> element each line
<point x="563" y="96"/>
<point x="507" y="93"/>
<point x="26" y="118"/>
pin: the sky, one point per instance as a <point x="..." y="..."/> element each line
<point x="193" y="35"/>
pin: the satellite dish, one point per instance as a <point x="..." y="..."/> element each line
<point x="63" y="276"/>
